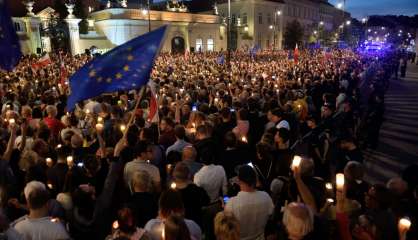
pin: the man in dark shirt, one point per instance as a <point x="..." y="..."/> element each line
<point x="142" y="202"/>
<point x="349" y="152"/>
<point x="194" y="197"/>
<point x="56" y="174"/>
<point x="167" y="137"/>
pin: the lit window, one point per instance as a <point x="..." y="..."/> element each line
<point x="210" y="45"/>
<point x="199" y="44"/>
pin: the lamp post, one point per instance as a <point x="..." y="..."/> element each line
<point x="148" y="12"/>
<point x="276" y="15"/>
<point x="228" y="43"/>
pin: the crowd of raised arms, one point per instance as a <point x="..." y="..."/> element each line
<point x="247" y="149"/>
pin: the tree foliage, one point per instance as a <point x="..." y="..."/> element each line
<point x="293" y="34"/>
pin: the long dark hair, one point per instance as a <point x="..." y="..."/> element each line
<point x="176" y="229"/>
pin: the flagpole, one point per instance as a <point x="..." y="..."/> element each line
<point x="132" y="117"/>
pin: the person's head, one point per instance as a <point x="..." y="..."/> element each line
<point x="166" y="124"/>
<point x="346" y="143"/>
<point x="282" y="136"/>
<point x="170" y="203"/>
<point x="36" y="195"/>
<point x="354" y="171"/>
<point x="226" y="114"/>
<point x="243" y="114"/>
<point x="189" y="153"/>
<point x="247" y="178"/>
<point x="327" y="110"/>
<point x="141" y="181"/>
<point x="202" y="132"/>
<point x="91" y="164"/>
<point x="276" y="115"/>
<point x="307" y="167"/>
<point x="76" y="141"/>
<point x="51" y="111"/>
<point x="142" y="150"/>
<point x="264" y="151"/>
<point x="180" y="132"/>
<point x="298" y="220"/>
<point x="230" y="140"/>
<point x="378" y="197"/>
<point x="311" y="122"/>
<point x="132" y="135"/>
<point x="175" y="228"/>
<point x="126" y="221"/>
<point x="397" y="186"/>
<point x="226" y="227"/>
<point x="28" y="159"/>
<point x="26" y="112"/>
<point x="181" y="172"/>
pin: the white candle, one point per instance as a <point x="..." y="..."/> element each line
<point x="405" y="223"/>
<point x="12" y="121"/>
<point x="340" y="181"/>
<point x="328" y="186"/>
<point x="163" y="233"/>
<point x="244" y="139"/>
<point x="296" y="161"/>
<point x="99" y="127"/>
<point x="122" y="128"/>
<point x="70" y="160"/>
<point x="115" y="225"/>
<point x="99" y="119"/>
<point x="173" y="185"/>
<point x="330" y="200"/>
<point x="48" y="161"/>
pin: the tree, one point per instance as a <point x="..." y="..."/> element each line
<point x="293" y="34"/>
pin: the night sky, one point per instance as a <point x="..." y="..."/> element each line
<point x="363" y="8"/>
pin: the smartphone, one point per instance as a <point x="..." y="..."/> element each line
<point x="194" y="108"/>
<point x="250" y="164"/>
<point x="80" y="164"/>
<point x="226" y="199"/>
<point x="232" y="110"/>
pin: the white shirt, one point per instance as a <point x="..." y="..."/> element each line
<point x="40" y="229"/>
<point x="140" y="165"/>
<point x="212" y="178"/>
<point x="283" y="124"/>
<point x="154" y="228"/>
<point x="252" y="209"/>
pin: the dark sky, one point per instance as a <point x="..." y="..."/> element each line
<point x="363" y="8"/>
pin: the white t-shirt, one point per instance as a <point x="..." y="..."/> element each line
<point x="40" y="229"/>
<point x="212" y="178"/>
<point x="283" y="124"/>
<point x="252" y="209"/>
<point x="154" y="228"/>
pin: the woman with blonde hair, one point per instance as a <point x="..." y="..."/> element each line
<point x="226" y="226"/>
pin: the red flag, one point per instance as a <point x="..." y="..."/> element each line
<point x="153" y="105"/>
<point x="296" y="54"/>
<point x="42" y="62"/>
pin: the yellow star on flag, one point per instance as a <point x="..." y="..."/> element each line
<point x="118" y="75"/>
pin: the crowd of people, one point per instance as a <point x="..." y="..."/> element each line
<point x="243" y="149"/>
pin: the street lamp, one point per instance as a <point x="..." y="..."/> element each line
<point x="271" y="26"/>
<point x="147" y="11"/>
<point x="279" y="12"/>
<point x="315" y="32"/>
<point x="364" y="20"/>
<point x="339" y="5"/>
<point x="348" y="22"/>
<point x="321" y="23"/>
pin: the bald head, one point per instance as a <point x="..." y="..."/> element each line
<point x="397" y="186"/>
<point x="189" y="153"/>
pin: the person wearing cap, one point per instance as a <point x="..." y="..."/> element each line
<point x="252" y="208"/>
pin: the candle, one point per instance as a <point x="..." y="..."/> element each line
<point x="296" y="161"/>
<point x="12" y="121"/>
<point x="340" y="181"/>
<point x="299" y="106"/>
<point x="163" y="233"/>
<point x="49" y="162"/>
<point x="122" y="128"/>
<point x="328" y="186"/>
<point x="99" y="127"/>
<point x="70" y="160"/>
<point x="115" y="225"/>
<point x="216" y="100"/>
<point x="54" y="219"/>
<point x="99" y="119"/>
<point x="405" y="223"/>
<point x="244" y="139"/>
<point x="49" y="186"/>
<point x="173" y="185"/>
<point x="87" y="111"/>
<point x="330" y="200"/>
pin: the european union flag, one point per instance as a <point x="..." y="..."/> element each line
<point x="125" y="67"/>
<point x="9" y="42"/>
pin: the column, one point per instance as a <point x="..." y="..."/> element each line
<point x="32" y="25"/>
<point x="73" y="29"/>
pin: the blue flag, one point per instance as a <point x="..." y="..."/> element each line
<point x="125" y="67"/>
<point x="9" y="42"/>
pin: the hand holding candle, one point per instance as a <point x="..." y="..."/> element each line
<point x="296" y="162"/>
<point x="404" y="225"/>
<point x="70" y="161"/>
